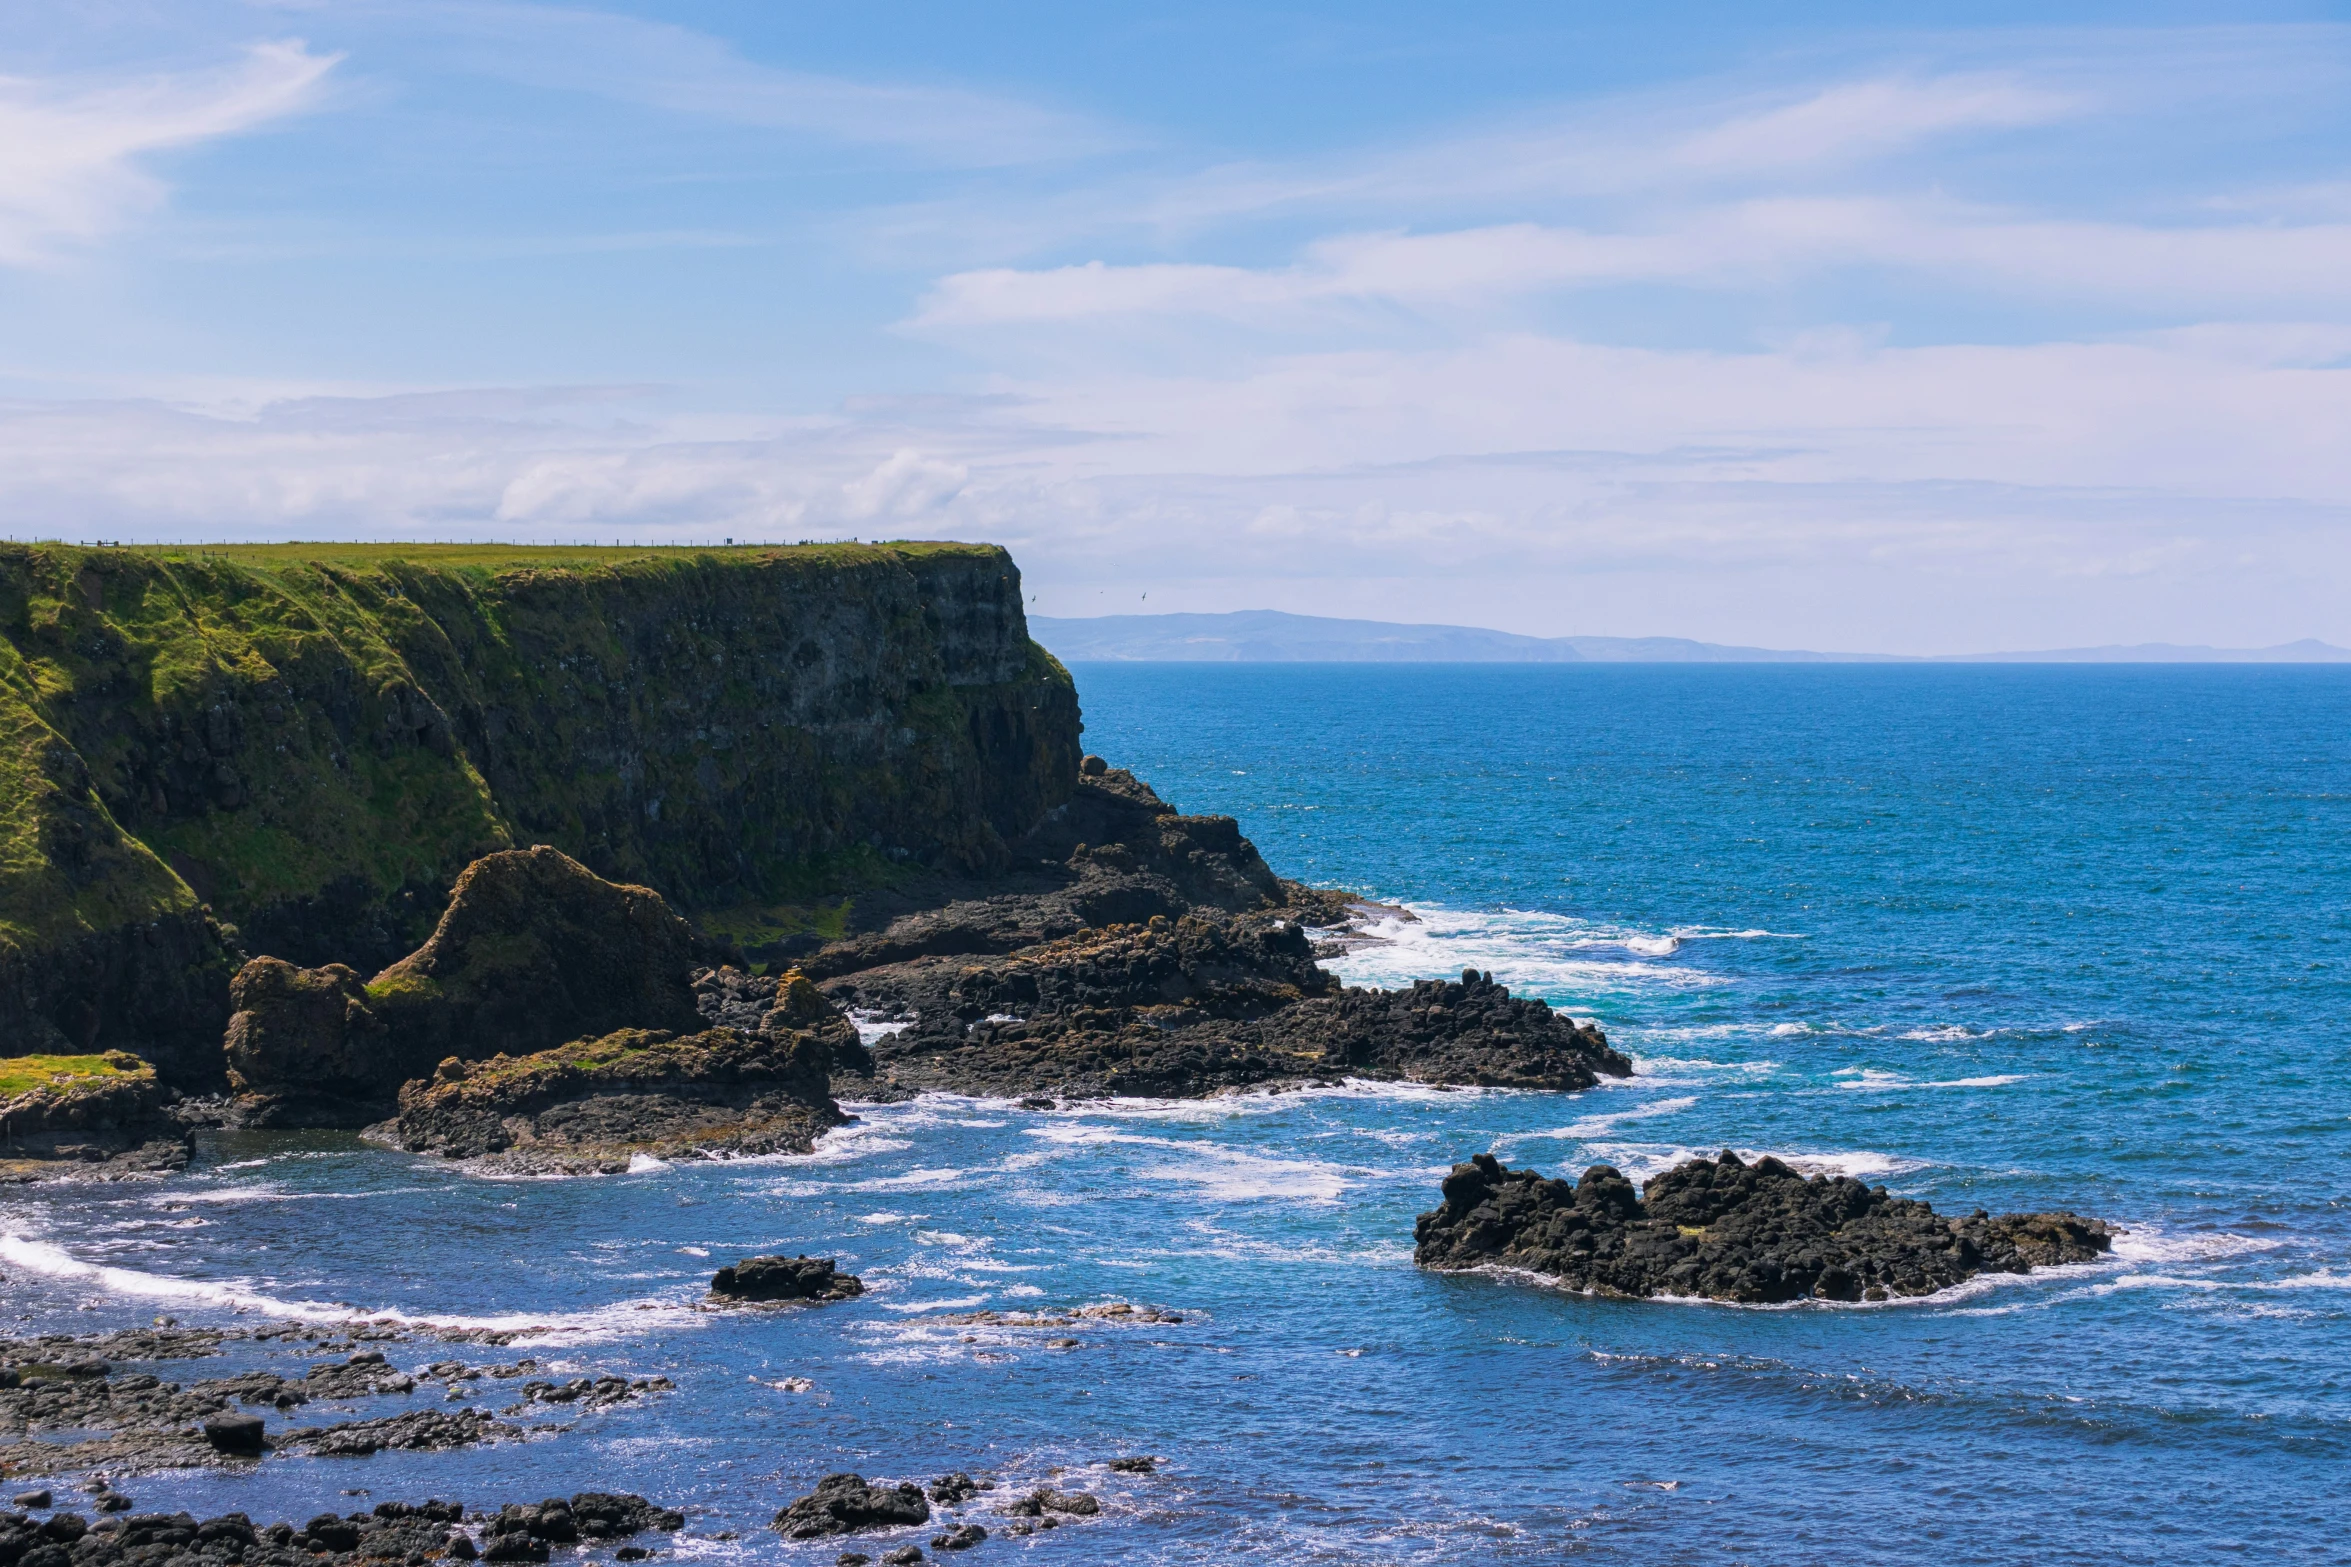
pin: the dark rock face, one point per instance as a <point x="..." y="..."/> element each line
<point x="1204" y="1003"/>
<point x="235" y="1433"/>
<point x="535" y="949"/>
<point x="844" y="1503"/>
<point x="1040" y="1503"/>
<point x="1727" y="1230"/>
<point x="306" y="1032"/>
<point x="785" y="1278"/>
<point x="1152" y="953"/>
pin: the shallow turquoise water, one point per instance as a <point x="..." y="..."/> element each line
<point x="2013" y="937"/>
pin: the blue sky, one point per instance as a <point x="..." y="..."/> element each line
<point x="1986" y="326"/>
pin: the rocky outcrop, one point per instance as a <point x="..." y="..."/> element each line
<point x="1199" y="1004"/>
<point x="393" y="1532"/>
<point x="845" y="1503"/>
<point x="305" y="1040"/>
<point x="593" y="1106"/>
<point x="785" y="1278"/>
<point x="1146" y="952"/>
<point x="296" y="754"/>
<point x="1724" y="1229"/>
<point x="102" y="1115"/>
<point x="533" y="949"/>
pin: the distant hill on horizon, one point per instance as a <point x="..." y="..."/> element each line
<point x="1275" y="636"/>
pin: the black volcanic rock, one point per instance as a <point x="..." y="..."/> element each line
<point x="393" y="1532"/>
<point x="785" y="1278"/>
<point x="844" y="1503"/>
<point x="1201" y="1003"/>
<point x="1727" y="1230"/>
<point x="234" y="1433"/>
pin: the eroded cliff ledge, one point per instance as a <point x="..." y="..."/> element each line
<point x="296" y="750"/>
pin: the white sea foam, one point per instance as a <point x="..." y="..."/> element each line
<point x="280" y="1194"/>
<point x="1872" y="1078"/>
<point x="1227" y="1173"/>
<point x="2146" y="1244"/>
<point x="844" y="1144"/>
<point x="1601" y="1125"/>
<point x="1651" y="1072"/>
<point x="1528" y="950"/>
<point x="52" y="1261"/>
<point x="1642" y="1160"/>
<point x="643" y="1163"/>
<point x="959" y="1303"/>
<point x="871" y="1026"/>
<point x="916" y="1180"/>
<point x="2324" y="1279"/>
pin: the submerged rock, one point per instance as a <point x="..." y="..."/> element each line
<point x="1727" y="1230"/>
<point x="785" y="1278"/>
<point x="845" y="1503"/>
<point x="420" y="1430"/>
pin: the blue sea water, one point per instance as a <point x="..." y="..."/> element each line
<point x="2008" y="937"/>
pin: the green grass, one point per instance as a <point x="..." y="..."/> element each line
<point x="246" y="725"/>
<point x="23" y="1074"/>
<point x="496" y="557"/>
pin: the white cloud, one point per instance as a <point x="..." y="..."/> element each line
<point x="2262" y="266"/>
<point x="70" y="151"/>
<point x="2184" y="483"/>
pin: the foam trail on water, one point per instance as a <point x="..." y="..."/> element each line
<point x="55" y="1262"/>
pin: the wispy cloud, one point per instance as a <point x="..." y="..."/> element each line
<point x="2211" y="265"/>
<point x="680" y="71"/>
<point x="71" y="150"/>
<point x="1661" y="146"/>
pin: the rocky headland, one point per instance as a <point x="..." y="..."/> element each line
<point x="850" y="760"/>
<point x="1723" y="1229"/>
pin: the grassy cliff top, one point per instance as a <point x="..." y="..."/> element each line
<point x="23" y="1074"/>
<point x="509" y="557"/>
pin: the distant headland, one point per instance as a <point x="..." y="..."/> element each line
<point x="1273" y="636"/>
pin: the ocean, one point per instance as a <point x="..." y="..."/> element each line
<point x="1993" y="936"/>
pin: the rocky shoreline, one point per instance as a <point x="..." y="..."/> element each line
<point x="391" y="1532"/>
<point x="238" y="1422"/>
<point x="1723" y="1229"/>
<point x="556" y="1023"/>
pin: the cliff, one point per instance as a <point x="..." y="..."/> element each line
<point x="295" y="750"/>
